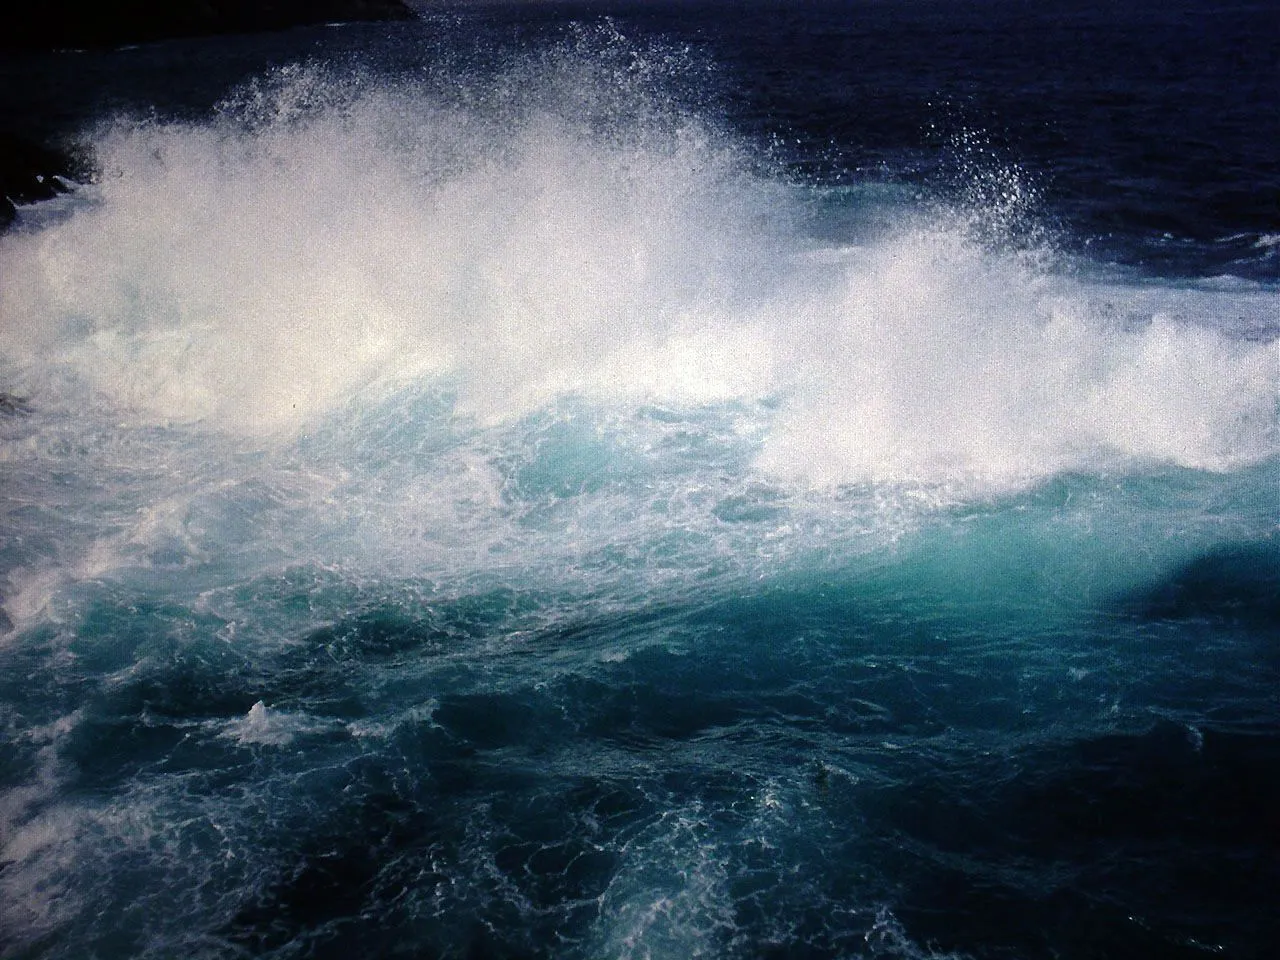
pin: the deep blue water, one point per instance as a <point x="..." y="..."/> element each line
<point x="648" y="480"/>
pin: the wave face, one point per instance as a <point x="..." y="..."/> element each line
<point x="488" y="504"/>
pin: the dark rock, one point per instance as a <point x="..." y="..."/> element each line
<point x="30" y="172"/>
<point x="110" y="23"/>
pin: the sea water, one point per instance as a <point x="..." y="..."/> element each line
<point x="650" y="481"/>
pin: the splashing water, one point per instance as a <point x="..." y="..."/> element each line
<point x="490" y="514"/>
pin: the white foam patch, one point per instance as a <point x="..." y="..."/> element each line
<point x="262" y="726"/>
<point x="945" y="362"/>
<point x="31" y="593"/>
<point x="325" y="242"/>
<point x="254" y="278"/>
<point x="34" y="841"/>
<point x="670" y="898"/>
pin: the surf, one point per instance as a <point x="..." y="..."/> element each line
<point x="506" y="509"/>
<point x="321" y="241"/>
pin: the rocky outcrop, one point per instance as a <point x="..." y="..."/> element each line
<point x="31" y="171"/>
<point x="110" y="23"/>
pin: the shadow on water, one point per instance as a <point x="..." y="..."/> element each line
<point x="1238" y="583"/>
<point x="487" y="865"/>
<point x="1162" y="843"/>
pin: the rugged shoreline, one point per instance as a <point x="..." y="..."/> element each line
<point x="30" y="172"/>
<point x="84" y="24"/>
<point x="37" y="166"/>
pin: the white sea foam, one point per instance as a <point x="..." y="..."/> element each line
<point x="669" y="899"/>
<point x="942" y="361"/>
<point x="324" y="242"/>
<point x="262" y="726"/>
<point x="586" y="285"/>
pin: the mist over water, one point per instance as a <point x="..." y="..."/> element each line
<point x="503" y="511"/>
<point x="325" y="238"/>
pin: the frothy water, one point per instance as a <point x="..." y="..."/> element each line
<point x="322" y="243"/>
<point x="515" y="511"/>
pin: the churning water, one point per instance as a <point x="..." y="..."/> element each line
<point x="552" y="485"/>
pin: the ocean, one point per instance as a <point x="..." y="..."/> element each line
<point x="649" y="480"/>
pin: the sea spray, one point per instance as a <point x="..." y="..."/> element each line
<point x="514" y="515"/>
<point x="257" y="272"/>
